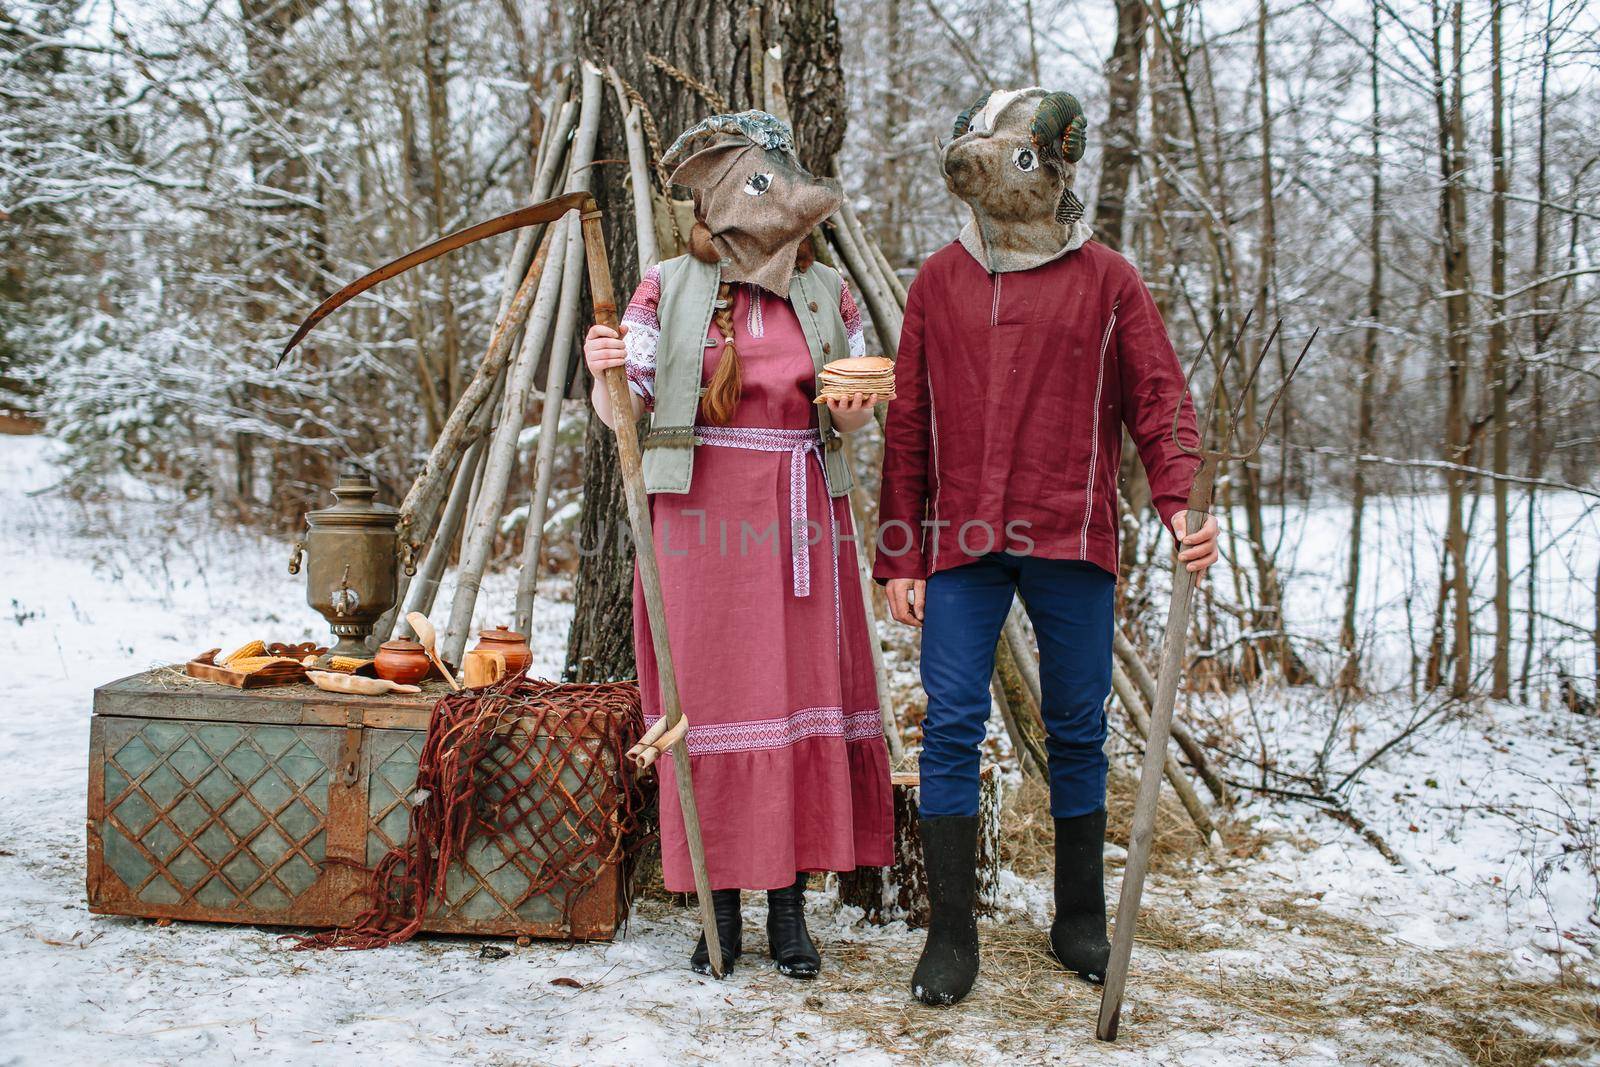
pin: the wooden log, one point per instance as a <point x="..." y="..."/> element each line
<point x="886" y="318"/>
<point x="1021" y="649"/>
<point x="1021" y="717"/>
<point x="552" y="154"/>
<point x="549" y="429"/>
<point x="644" y="216"/>
<point x="428" y="488"/>
<point x="516" y="300"/>
<point x="874" y="256"/>
<point x="899" y="287"/>
<point x="420" y="594"/>
<point x="483" y="524"/>
<point x="880" y="671"/>
<point x="1139" y="671"/>
<point x="885" y="894"/>
<point x="1133" y="704"/>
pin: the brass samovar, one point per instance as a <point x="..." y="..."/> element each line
<point x="354" y="574"/>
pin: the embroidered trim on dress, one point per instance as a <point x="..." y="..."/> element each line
<point x="799" y="444"/>
<point x="782" y="732"/>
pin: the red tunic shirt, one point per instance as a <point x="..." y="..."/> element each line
<point x="1012" y="391"/>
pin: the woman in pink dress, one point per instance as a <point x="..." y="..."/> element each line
<point x="769" y="636"/>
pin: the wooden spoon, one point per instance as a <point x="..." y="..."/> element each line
<point x="430" y="643"/>
<point x="334" y="682"/>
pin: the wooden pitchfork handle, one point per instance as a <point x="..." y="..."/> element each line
<point x="1152" y="770"/>
<point x="605" y="313"/>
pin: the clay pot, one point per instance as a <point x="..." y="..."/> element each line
<point x="405" y="662"/>
<point x="510" y="644"/>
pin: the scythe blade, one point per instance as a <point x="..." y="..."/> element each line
<point x="532" y="215"/>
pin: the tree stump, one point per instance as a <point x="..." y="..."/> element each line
<point x="901" y="891"/>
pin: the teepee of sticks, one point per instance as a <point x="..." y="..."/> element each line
<point x="455" y="505"/>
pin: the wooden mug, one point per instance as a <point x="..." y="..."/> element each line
<point x="483" y="667"/>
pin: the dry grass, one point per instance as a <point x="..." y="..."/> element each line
<point x="1316" y="974"/>
<point x="1345" y="979"/>
<point x="1027" y="835"/>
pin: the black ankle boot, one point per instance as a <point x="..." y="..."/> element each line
<point x="949" y="963"/>
<point x="787" y="938"/>
<point x="730" y="933"/>
<point x="1078" y="935"/>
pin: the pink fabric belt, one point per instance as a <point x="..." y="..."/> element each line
<point x="799" y="444"/>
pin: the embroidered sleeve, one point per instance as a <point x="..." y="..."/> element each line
<point x="644" y="332"/>
<point x="852" y="320"/>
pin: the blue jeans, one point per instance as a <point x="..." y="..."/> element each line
<point x="1071" y="606"/>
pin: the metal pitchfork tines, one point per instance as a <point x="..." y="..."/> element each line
<point x="1142" y="835"/>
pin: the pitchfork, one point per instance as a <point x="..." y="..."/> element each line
<point x="1172" y="650"/>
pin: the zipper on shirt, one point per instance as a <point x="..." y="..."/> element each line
<point x="994" y="307"/>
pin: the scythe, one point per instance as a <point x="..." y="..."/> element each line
<point x="605" y="312"/>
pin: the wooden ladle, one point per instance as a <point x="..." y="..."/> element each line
<point x="430" y="643"/>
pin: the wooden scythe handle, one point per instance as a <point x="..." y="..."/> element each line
<point x="605" y="313"/>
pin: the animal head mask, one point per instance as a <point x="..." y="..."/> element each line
<point x="1012" y="158"/>
<point x="752" y="194"/>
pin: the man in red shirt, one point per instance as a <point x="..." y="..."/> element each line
<point x="1027" y="347"/>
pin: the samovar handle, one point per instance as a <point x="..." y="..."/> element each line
<point x="296" y="556"/>
<point x="408" y="557"/>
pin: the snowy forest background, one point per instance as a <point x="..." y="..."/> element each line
<point x="1394" y="671"/>
<point x="181" y="181"/>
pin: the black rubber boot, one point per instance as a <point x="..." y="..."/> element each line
<point x="730" y="932"/>
<point x="1078" y="935"/>
<point x="949" y="963"/>
<point x="787" y="937"/>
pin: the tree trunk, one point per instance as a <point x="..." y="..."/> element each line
<point x="1122" y="123"/>
<point x="708" y="42"/>
<point x="1500" y="685"/>
<point x="1458" y="319"/>
<point x="1350" y="674"/>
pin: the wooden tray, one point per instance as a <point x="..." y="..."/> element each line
<point x="205" y="668"/>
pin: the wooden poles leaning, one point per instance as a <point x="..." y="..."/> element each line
<point x="1123" y="686"/>
<point x="555" y="390"/>
<point x="478" y="539"/>
<point x="483" y="525"/>
<point x="644" y="215"/>
<point x="1133" y="663"/>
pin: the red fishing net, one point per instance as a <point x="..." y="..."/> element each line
<point x="539" y="763"/>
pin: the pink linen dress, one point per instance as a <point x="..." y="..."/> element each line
<point x="790" y="768"/>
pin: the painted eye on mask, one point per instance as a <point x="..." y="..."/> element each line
<point x="1025" y="159"/>
<point x="758" y="183"/>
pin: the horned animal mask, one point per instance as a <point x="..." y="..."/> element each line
<point x="1012" y="158"/>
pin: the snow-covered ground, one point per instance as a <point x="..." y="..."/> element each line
<point x="1300" y="945"/>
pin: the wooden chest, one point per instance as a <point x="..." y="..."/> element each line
<point x="267" y="806"/>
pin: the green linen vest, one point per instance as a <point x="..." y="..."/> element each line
<point x="688" y="293"/>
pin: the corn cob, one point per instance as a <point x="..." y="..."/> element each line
<point x="255" y="664"/>
<point x="253" y="649"/>
<point x="346" y="664"/>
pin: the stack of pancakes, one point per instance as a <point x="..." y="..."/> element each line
<point x="868" y="375"/>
